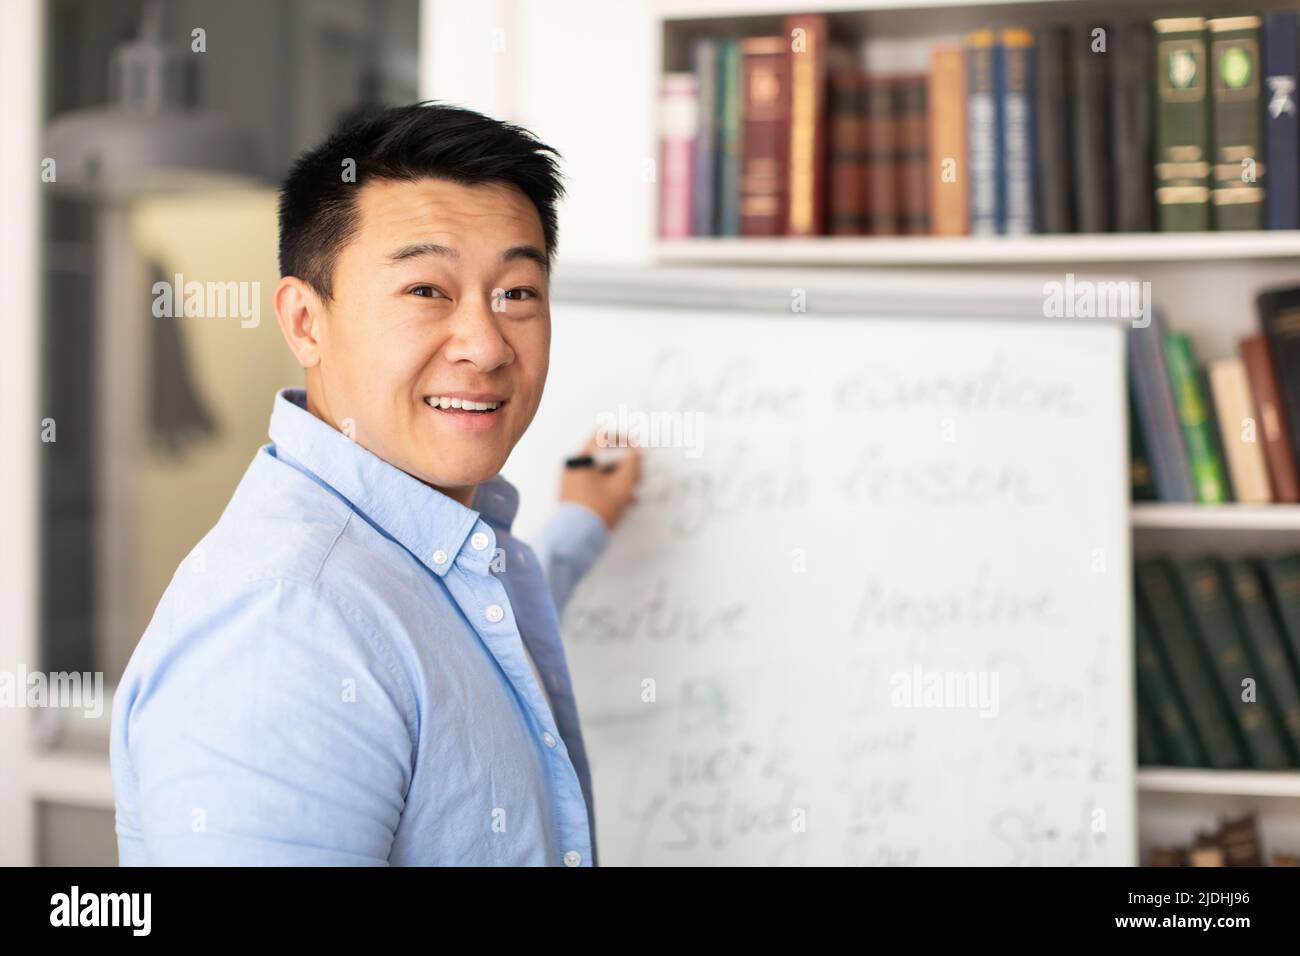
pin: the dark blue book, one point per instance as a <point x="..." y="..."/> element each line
<point x="729" y="119"/>
<point x="1158" y="414"/>
<point x="703" y="210"/>
<point x="1281" y="131"/>
<point x="1017" y="89"/>
<point x="984" y="133"/>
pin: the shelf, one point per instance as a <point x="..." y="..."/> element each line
<point x="706" y="9"/>
<point x="1226" y="517"/>
<point x="992" y="250"/>
<point x="1247" y="783"/>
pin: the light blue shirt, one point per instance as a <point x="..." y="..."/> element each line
<point x="336" y="675"/>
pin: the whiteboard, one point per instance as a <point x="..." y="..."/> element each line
<point x="872" y="606"/>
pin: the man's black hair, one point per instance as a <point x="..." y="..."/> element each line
<point x="318" y="206"/>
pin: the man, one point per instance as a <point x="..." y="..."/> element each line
<point x="359" y="664"/>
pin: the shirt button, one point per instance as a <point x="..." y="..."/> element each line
<point x="572" y="858"/>
<point x="478" y="540"/>
<point x="494" y="612"/>
<point x="440" y="556"/>
<point x="550" y="741"/>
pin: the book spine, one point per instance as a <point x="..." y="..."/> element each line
<point x="949" y="192"/>
<point x="1090" y="66"/>
<point x="1131" y="127"/>
<point x="1207" y="474"/>
<point x="882" y="157"/>
<point x="1182" y="164"/>
<point x="766" y="137"/>
<point x="1157" y="689"/>
<point x="1216" y="432"/>
<point x="1238" y="194"/>
<point x="914" y="203"/>
<point x="1141" y="476"/>
<point x="1204" y="592"/>
<point x="1055" y="154"/>
<point x="1279" y="317"/>
<point x="1239" y="431"/>
<point x="1158" y="413"/>
<point x="1017" y="86"/>
<point x="703" y="212"/>
<point x="808" y="57"/>
<point x="1172" y="633"/>
<point x="1281" y="131"/>
<point x="1282" y="577"/>
<point x="983" y="132"/>
<point x="1271" y="423"/>
<point x="1148" y="746"/>
<point x="679" y="109"/>
<point x="730" y="112"/>
<point x="847" y="155"/>
<point x="1278" y="686"/>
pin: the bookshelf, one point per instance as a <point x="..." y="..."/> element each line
<point x="1204" y="282"/>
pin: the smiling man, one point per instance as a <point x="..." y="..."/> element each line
<point x="359" y="664"/>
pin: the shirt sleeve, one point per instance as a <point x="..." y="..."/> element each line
<point x="567" y="546"/>
<point x="297" y="752"/>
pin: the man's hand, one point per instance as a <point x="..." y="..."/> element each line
<point x="607" y="491"/>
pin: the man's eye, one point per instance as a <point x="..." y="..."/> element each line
<point x="426" y="291"/>
<point x="520" y="295"/>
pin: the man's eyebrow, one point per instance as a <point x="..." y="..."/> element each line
<point x="415" y="250"/>
<point x="529" y="252"/>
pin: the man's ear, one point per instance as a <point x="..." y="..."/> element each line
<point x="300" y="312"/>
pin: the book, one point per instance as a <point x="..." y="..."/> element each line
<point x="1142" y="485"/>
<point x="1282" y="581"/>
<point x="948" y="178"/>
<point x="1054" y="175"/>
<point x="1278" y="684"/>
<point x="1238" y="194"/>
<point x="1216" y="432"/>
<point x="704" y="56"/>
<point x="910" y="117"/>
<point x="846" y="150"/>
<point x="1281" y="133"/>
<point x="1171" y="631"/>
<point x="730" y="117"/>
<point x="1148" y="745"/>
<point x="1158" y="413"/>
<point x="679" y="121"/>
<point x="883" y="192"/>
<point x="1158" y="692"/>
<point x="1018" y="159"/>
<point x="765" y="136"/>
<point x="1207" y="470"/>
<point x="1182" y="165"/>
<point x="1271" y="428"/>
<point x="1279" y="317"/>
<point x="984" y="132"/>
<point x="1239" y="431"/>
<point x="809" y="57"/>
<point x="1131" y="126"/>
<point x="1205" y="595"/>
<point x="1090" y="85"/>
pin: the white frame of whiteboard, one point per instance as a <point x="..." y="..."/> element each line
<point x="865" y="294"/>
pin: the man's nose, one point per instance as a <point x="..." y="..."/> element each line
<point x="476" y="335"/>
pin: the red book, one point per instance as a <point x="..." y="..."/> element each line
<point x="882" y="157"/>
<point x="679" y="122"/>
<point x="847" y="158"/>
<point x="911" y="116"/>
<point x="765" y="68"/>
<point x="1271" y="428"/>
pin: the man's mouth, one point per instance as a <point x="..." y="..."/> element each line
<point x="476" y="412"/>
<point x="445" y="402"/>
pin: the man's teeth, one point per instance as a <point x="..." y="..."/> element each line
<point x="439" y="401"/>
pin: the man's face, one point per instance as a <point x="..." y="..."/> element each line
<point x="439" y="298"/>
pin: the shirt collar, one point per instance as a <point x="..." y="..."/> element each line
<point x="428" y="523"/>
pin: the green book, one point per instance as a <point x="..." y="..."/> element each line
<point x="1238" y="174"/>
<point x="728" y="122"/>
<point x="1198" y="432"/>
<point x="1172" y="633"/>
<point x="1283" y="580"/>
<point x="1182" y="125"/>
<point x="1148" y="746"/>
<point x="1205" y="594"/>
<point x="1158" y="696"/>
<point x="1141" y="478"/>
<point x="1278" y="686"/>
